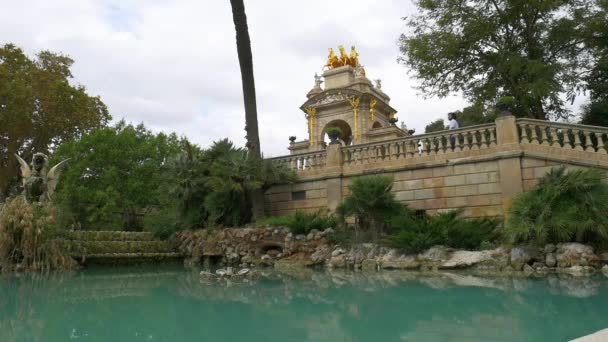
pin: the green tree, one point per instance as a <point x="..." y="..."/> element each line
<point x="534" y="50"/>
<point x="39" y="108"/>
<point x="114" y="176"/>
<point x="243" y="47"/>
<point x="435" y="126"/>
<point x="213" y="186"/>
<point x="596" y="112"/>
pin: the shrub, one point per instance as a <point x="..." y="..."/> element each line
<point x="563" y="207"/>
<point x="27" y="238"/>
<point x="370" y="203"/>
<point x="417" y="234"/>
<point x="301" y="222"/>
<point x="162" y="223"/>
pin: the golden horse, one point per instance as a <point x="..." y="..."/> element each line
<point x="343" y="56"/>
<point x="332" y="60"/>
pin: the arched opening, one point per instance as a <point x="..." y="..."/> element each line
<point x="346" y="136"/>
<point x="376" y="124"/>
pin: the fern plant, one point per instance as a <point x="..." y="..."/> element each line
<point x="563" y="207"/>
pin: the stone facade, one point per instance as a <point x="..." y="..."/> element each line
<point x="478" y="169"/>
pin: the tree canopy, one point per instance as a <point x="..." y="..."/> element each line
<point x="114" y="175"/>
<point x="534" y="50"/>
<point x="40" y="108"/>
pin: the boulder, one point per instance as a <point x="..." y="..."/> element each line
<point x="321" y="254"/>
<point x="550" y="260"/>
<point x="575" y="254"/>
<point x="337" y="252"/>
<point x="604" y="258"/>
<point x="550" y="248"/>
<point x="462" y="259"/>
<point x="605" y="270"/>
<point x="369" y="265"/>
<point x="578" y="270"/>
<point x="436" y="254"/>
<point x="338" y="261"/>
<point x="394" y="260"/>
<point x="523" y="255"/>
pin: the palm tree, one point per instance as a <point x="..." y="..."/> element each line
<point x="243" y="47"/>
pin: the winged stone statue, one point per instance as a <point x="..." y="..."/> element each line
<point x="38" y="184"/>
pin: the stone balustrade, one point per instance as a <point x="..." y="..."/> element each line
<point x="479" y="169"/>
<point x="303" y="162"/>
<point x="563" y="135"/>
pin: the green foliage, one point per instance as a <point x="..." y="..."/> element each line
<point x="435" y="126"/>
<point x="370" y="202"/>
<point x="532" y="50"/>
<point x="114" y="176"/>
<point x="448" y="229"/>
<point x="334" y="132"/>
<point x="40" y="108"/>
<point x="596" y="114"/>
<point x="563" y="207"/>
<point x="163" y="222"/>
<point x="301" y="222"/>
<point x="506" y="103"/>
<point x="213" y="186"/>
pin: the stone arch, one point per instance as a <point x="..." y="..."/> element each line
<point x="377" y="124"/>
<point x="347" y="133"/>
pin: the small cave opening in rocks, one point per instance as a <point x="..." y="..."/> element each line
<point x="212" y="261"/>
<point x="271" y="248"/>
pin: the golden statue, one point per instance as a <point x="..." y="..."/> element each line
<point x="354" y="57"/>
<point x="372" y="109"/>
<point x="344" y="59"/>
<point x="332" y="60"/>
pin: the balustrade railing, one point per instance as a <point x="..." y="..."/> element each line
<point x="568" y="136"/>
<point x="306" y="161"/>
<point x="563" y="135"/>
<point x="437" y="143"/>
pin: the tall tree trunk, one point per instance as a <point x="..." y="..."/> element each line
<point x="243" y="47"/>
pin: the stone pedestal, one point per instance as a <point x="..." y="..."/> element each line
<point x="510" y="168"/>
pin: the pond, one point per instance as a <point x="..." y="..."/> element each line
<point x="170" y="303"/>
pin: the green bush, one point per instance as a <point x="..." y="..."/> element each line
<point x="563" y="207"/>
<point x="162" y="223"/>
<point x="448" y="229"/>
<point x="301" y="222"/>
<point x="370" y="203"/>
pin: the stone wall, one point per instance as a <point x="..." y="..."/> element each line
<point x="478" y="169"/>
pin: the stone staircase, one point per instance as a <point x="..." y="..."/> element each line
<point x="115" y="247"/>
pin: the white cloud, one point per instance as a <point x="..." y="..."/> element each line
<point x="173" y="64"/>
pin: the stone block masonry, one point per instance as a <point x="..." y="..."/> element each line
<point x="481" y="173"/>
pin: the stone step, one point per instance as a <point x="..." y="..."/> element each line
<point x="110" y="236"/>
<point x="78" y="248"/>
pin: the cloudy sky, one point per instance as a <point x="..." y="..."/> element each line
<point x="172" y="64"/>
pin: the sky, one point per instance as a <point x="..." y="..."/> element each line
<point x="173" y="65"/>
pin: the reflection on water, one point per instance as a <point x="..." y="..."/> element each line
<point x="172" y="304"/>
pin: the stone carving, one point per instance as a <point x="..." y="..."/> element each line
<point x="38" y="184"/>
<point x="318" y="81"/>
<point x="378" y="84"/>
<point x="359" y="72"/>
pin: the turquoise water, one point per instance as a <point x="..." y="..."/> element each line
<point x="173" y="304"/>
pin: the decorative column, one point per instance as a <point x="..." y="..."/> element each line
<point x="312" y="114"/>
<point x="354" y="102"/>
